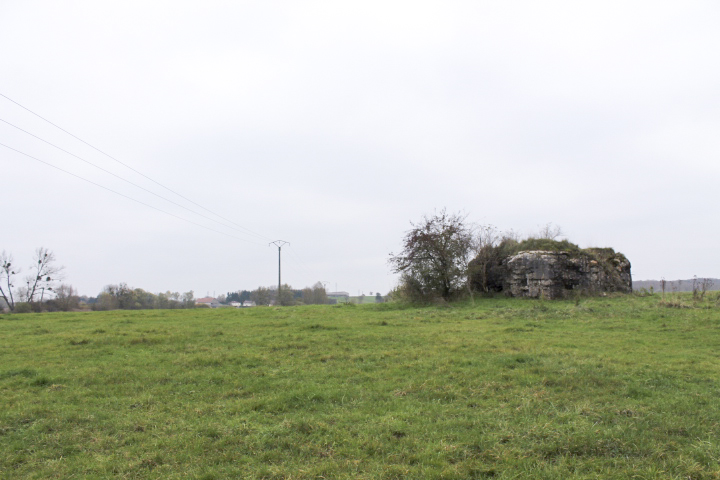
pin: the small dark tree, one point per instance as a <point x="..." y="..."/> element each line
<point x="261" y="296"/>
<point x="435" y="255"/>
<point x="188" y="299"/>
<point x="286" y="297"/>
<point x="486" y="252"/>
<point x="66" y="298"/>
<point x="239" y="296"/>
<point x="314" y="295"/>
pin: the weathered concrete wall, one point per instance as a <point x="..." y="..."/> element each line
<point x="555" y="274"/>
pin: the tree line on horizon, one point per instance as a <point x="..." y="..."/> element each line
<point x="682" y="285"/>
<point x="315" y="295"/>
<point x="443" y="257"/>
<point x="42" y="291"/>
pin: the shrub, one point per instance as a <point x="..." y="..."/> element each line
<point x="23" y="307"/>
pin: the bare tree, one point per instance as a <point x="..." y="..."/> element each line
<point x="7" y="273"/>
<point x="550" y="232"/>
<point x="700" y="286"/>
<point x="44" y="273"/>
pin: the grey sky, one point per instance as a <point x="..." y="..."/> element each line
<point x="332" y="125"/>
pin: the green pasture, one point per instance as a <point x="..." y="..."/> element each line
<point x="367" y="299"/>
<point x="624" y="387"/>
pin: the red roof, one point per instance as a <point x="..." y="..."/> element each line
<point x="206" y="300"/>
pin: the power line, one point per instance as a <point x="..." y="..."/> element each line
<point x="123" y="179"/>
<point x="129" y="167"/>
<point x="126" y="196"/>
<point x="294" y="258"/>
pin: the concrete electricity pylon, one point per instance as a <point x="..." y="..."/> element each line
<point x="279" y="244"/>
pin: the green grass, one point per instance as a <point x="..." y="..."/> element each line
<point x="367" y="299"/>
<point x="598" y="388"/>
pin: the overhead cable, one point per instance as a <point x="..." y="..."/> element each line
<point x="131" y="168"/>
<point x="128" y="197"/>
<point x="296" y="260"/>
<point x="124" y="179"/>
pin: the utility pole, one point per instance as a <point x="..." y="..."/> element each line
<point x="279" y="244"/>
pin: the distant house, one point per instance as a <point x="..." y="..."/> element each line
<point x="209" y="301"/>
<point x="339" y="297"/>
<point x="248" y="303"/>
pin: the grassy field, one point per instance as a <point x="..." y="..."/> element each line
<point x="597" y="388"/>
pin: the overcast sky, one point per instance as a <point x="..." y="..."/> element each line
<point x="333" y="125"/>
